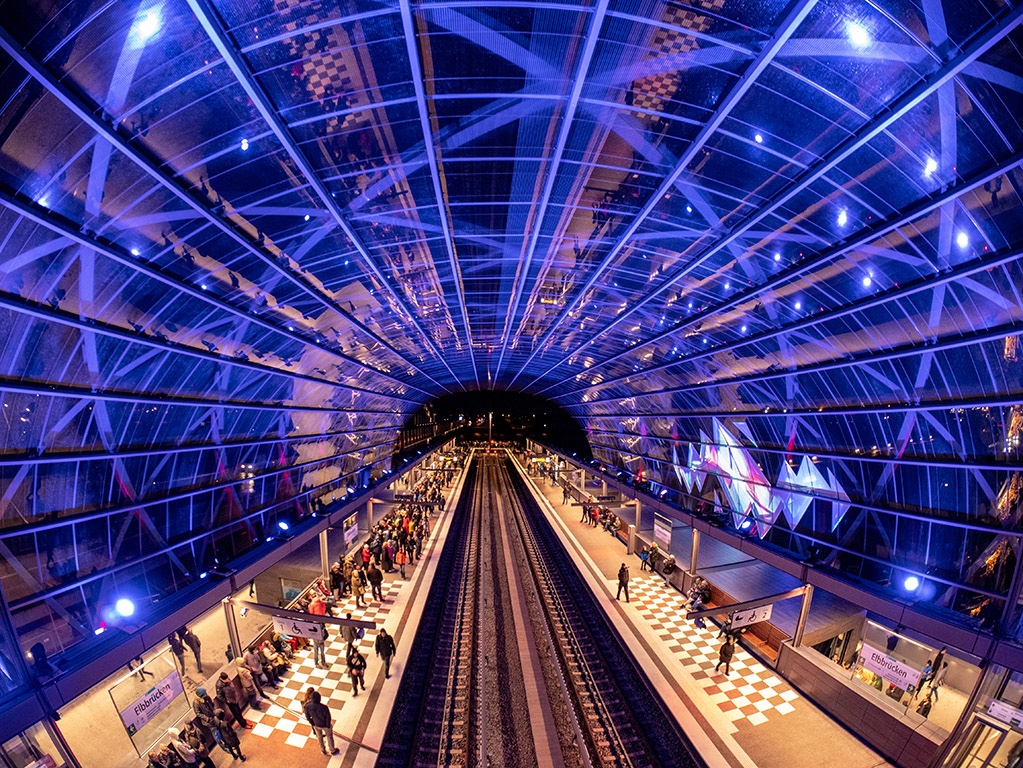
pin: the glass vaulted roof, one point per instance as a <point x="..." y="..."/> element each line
<point x="242" y="242"/>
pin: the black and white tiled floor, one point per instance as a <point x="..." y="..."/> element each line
<point x="752" y="691"/>
<point x="282" y="713"/>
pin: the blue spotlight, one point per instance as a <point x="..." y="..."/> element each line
<point x="124" y="607"/>
<point x="911" y="584"/>
<point x="283" y="525"/>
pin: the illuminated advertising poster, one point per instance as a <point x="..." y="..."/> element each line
<point x="351" y="529"/>
<point x="901" y="674"/>
<point x="151" y="703"/>
<point x="662" y="531"/>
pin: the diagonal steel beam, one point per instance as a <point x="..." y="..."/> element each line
<point x="1005" y="23"/>
<point x="122" y="453"/>
<point x="91" y="325"/>
<point x="149" y="398"/>
<point x="960" y="341"/>
<point x="791" y="21"/>
<point x="151" y="167"/>
<point x="415" y="65"/>
<point x="50" y="221"/>
<point x="209" y="19"/>
<point x="582" y="68"/>
<point x="800" y="271"/>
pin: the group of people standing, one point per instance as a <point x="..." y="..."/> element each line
<point x="395" y="542"/>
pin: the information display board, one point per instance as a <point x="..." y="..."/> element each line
<point x="351" y="529"/>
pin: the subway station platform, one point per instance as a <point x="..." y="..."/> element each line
<point x="749" y="718"/>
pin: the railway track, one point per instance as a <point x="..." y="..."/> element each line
<point x="515" y="663"/>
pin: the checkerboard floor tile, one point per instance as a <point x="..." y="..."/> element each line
<point x="283" y="711"/>
<point x="752" y="692"/>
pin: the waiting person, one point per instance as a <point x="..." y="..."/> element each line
<point x="249" y="683"/>
<point x="376" y="580"/>
<point x="654" y="556"/>
<point x="350" y="634"/>
<point x="386" y="650"/>
<point x="318" y="715"/>
<point x="357" y="670"/>
<point x="166" y="757"/>
<point x="335" y="580"/>
<point x="204" y="708"/>
<point x="320" y="649"/>
<point x="644" y="557"/>
<point x="178" y="650"/>
<point x="189" y="757"/>
<point x="253" y="661"/>
<point x="226" y="737"/>
<point x="924" y="707"/>
<point x="228" y="692"/>
<point x="669" y="567"/>
<point x="1015" y="756"/>
<point x="401" y="558"/>
<point x="193" y="738"/>
<point x="623" y="582"/>
<point x="188" y="638"/>
<point x="357" y="590"/>
<point x="725" y="656"/>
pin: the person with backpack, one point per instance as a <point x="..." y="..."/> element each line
<point x="226" y="737"/>
<point x="357" y="670"/>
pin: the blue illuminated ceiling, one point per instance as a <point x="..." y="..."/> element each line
<point x="229" y="222"/>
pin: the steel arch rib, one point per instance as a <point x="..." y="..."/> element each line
<point x="408" y="26"/>
<point x="75" y="103"/>
<point x="998" y="30"/>
<point x="793" y="18"/>
<point x="210" y="22"/>
<point x="554" y="164"/>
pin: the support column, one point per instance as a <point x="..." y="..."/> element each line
<point x="639" y="510"/>
<point x="324" y="556"/>
<point x="804" y="611"/>
<point x="1008" y="621"/>
<point x="603" y="487"/>
<point x="694" y="553"/>
<point x="631" y="544"/>
<point x="369" y="514"/>
<point x="232" y="627"/>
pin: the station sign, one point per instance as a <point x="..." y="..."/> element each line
<point x="151" y="703"/>
<point x="297" y="628"/>
<point x="887" y="668"/>
<point x="1006" y="713"/>
<point x="751" y="616"/>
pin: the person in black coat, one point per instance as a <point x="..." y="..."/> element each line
<point x="319" y="718"/>
<point x="386" y="650"/>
